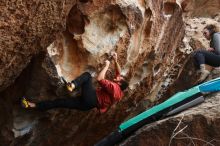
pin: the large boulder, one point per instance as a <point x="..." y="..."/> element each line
<point x="27" y="27"/>
<point x="154" y="40"/>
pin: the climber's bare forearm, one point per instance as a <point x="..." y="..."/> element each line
<point x="102" y="74"/>
<point x="117" y="67"/>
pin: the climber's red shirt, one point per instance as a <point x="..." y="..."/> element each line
<point x="108" y="93"/>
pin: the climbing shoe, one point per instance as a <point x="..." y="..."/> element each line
<point x="204" y="73"/>
<point x="24" y="102"/>
<point x="69" y="86"/>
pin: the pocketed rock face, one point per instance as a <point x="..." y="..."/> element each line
<point x="139" y="32"/>
<point x="202" y="121"/>
<point x="201" y="8"/>
<point x="26" y="28"/>
<point x="153" y="41"/>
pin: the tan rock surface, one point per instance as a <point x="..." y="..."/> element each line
<point x="27" y="27"/>
<point x="152" y="38"/>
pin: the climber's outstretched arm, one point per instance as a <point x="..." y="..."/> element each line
<point x="102" y="74"/>
<point x="117" y="66"/>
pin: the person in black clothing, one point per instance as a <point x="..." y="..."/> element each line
<point x="88" y="98"/>
<point x="210" y="56"/>
<point x="85" y="102"/>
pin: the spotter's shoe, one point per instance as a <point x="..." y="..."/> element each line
<point x="204" y="75"/>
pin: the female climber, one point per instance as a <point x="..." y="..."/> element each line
<point x="210" y="56"/>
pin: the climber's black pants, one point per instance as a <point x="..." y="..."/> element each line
<point x="86" y="101"/>
<point x="206" y="57"/>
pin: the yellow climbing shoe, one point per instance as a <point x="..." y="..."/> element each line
<point x="68" y="84"/>
<point x="24" y="102"/>
<point x="69" y="87"/>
